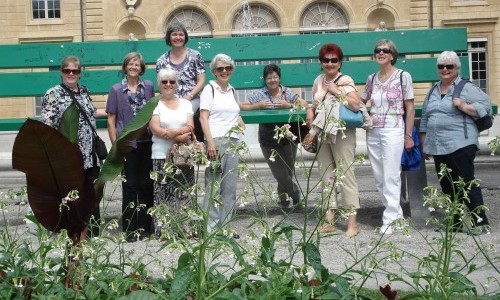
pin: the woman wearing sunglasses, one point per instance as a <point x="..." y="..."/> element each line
<point x="448" y="133"/>
<point x="125" y="100"/>
<point x="172" y="122"/>
<point x="188" y="64"/>
<point x="55" y="103"/>
<point x="222" y="124"/>
<point x="274" y="95"/>
<point x="337" y="147"/>
<point x="390" y="94"/>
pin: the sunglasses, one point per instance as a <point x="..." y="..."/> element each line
<point x="69" y="71"/>
<point x="172" y="82"/>
<point x="384" y="50"/>
<point x="332" y="60"/>
<point x="227" y="68"/>
<point x="448" y="67"/>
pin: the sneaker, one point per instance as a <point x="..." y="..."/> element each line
<point x="386" y="229"/>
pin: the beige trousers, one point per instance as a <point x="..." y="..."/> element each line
<point x="333" y="155"/>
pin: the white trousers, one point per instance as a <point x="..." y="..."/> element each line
<point x="385" y="148"/>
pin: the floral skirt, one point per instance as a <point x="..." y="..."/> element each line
<point x="172" y="200"/>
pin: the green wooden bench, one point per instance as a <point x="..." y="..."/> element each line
<point x="102" y="60"/>
<point x="296" y="54"/>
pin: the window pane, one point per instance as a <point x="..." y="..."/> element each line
<point x="46" y="9"/>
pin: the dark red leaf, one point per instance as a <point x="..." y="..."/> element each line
<point x="53" y="167"/>
<point x="388" y="293"/>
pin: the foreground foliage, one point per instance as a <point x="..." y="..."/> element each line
<point x="44" y="265"/>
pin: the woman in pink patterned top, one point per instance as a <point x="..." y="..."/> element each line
<point x="390" y="93"/>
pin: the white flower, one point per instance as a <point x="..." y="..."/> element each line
<point x="431" y="209"/>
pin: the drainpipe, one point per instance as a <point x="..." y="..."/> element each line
<point x="431" y="14"/>
<point x="81" y="21"/>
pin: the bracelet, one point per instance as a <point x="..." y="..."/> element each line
<point x="409" y="136"/>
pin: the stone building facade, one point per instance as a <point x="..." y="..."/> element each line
<point x="34" y="21"/>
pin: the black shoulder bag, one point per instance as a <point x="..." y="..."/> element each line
<point x="98" y="145"/>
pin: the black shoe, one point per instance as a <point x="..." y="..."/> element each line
<point x="478" y="230"/>
<point x="131" y="238"/>
<point x="442" y="228"/>
<point x="284" y="204"/>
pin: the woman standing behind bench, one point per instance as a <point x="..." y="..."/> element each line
<point x="449" y="134"/>
<point x="188" y="64"/>
<point x="274" y="95"/>
<point x="125" y="100"/>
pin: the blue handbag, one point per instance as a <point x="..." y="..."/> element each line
<point x="350" y="118"/>
<point x="410" y="161"/>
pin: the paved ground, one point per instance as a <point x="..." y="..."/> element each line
<point x="337" y="249"/>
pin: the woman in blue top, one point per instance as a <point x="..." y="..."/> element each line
<point x="125" y="99"/>
<point x="274" y="95"/>
<point x="448" y="133"/>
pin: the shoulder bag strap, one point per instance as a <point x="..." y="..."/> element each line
<point x="456" y="94"/>
<point x="80" y="109"/>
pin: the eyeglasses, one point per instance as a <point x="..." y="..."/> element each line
<point x="227" y="68"/>
<point x="448" y="67"/>
<point x="172" y="82"/>
<point x="69" y="71"/>
<point x="384" y="50"/>
<point x="272" y="78"/>
<point x="332" y="60"/>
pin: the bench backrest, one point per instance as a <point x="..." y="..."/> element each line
<point x="19" y="64"/>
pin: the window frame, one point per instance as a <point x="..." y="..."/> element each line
<point x="46" y="10"/>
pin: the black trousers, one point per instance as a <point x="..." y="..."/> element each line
<point x="461" y="163"/>
<point x="95" y="217"/>
<point x="137" y="190"/>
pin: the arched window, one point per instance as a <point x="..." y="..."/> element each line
<point x="324" y="17"/>
<point x="256" y="20"/>
<point x="195" y="21"/>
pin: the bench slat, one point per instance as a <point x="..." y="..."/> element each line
<point x="245" y="77"/>
<point x="413" y="41"/>
<point x="249" y="116"/>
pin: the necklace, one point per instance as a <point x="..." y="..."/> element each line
<point x="327" y="82"/>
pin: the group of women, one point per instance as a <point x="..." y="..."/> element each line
<point x="181" y="82"/>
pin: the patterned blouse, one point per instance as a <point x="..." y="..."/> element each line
<point x="266" y="131"/>
<point x="187" y="71"/>
<point x="386" y="98"/>
<point x="54" y="104"/>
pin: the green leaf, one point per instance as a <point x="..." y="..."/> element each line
<point x="181" y="282"/>
<point x="140" y="295"/>
<point x="184" y="260"/>
<point x="313" y="257"/>
<point x="69" y="124"/>
<point x="135" y="128"/>
<point x="461" y="283"/>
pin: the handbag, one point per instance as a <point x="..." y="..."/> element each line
<point x="187" y="154"/>
<point x="98" y="145"/>
<point x="351" y="119"/>
<point x="310" y="143"/>
<point x="410" y="160"/>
